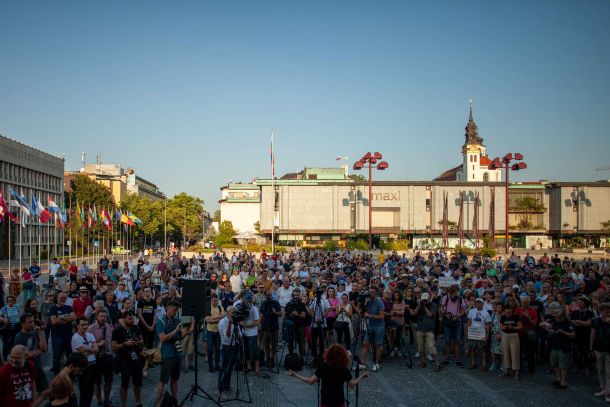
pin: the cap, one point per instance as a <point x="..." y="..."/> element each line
<point x="467" y="276"/>
<point x="82" y="288"/>
<point x="479" y="300"/>
<point x="516" y="286"/>
<point x="425" y="296"/>
<point x="392" y="283"/>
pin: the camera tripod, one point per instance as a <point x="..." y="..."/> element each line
<point x="196" y="389"/>
<point x="237" y="349"/>
<point x="317" y="308"/>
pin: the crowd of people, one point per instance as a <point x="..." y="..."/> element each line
<point x="335" y="310"/>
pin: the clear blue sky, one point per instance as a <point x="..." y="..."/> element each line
<point x="187" y="92"/>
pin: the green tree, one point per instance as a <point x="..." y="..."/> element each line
<point x="151" y="214"/>
<point x="605" y="226"/>
<point x="357" y="177"/>
<point x="225" y="234"/>
<point x="88" y="193"/>
<point x="526" y="206"/>
<point x="184" y="217"/>
<point x="217" y="215"/>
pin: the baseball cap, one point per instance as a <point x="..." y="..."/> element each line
<point x="82" y="288"/>
<point x="479" y="300"/>
<point x="425" y="296"/>
<point x="516" y="286"/>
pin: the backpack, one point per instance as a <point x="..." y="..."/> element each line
<point x="167" y="400"/>
<point x="293" y="361"/>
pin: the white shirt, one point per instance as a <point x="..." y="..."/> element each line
<point x="147" y="268"/>
<point x="87" y="341"/>
<point x="235" y="283"/>
<point x="319" y="312"/>
<point x="478" y="318"/>
<point x="222" y="330"/>
<point x="252" y="316"/>
<point x="54" y="269"/>
<point x="284" y="295"/>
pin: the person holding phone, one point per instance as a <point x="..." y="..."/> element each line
<point x="170" y="331"/>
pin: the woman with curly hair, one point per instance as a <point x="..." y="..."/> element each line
<point x="333" y="372"/>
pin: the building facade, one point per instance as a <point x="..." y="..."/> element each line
<point x="31" y="173"/>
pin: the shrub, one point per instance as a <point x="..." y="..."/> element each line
<point x="397" y="244"/>
<point x="466" y="250"/>
<point x="330" y="245"/>
<point x="488" y="251"/>
<point x="358" y="244"/>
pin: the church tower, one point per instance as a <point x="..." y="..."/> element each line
<point x="474" y="155"/>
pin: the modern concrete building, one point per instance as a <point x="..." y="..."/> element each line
<point x="31" y="173"/>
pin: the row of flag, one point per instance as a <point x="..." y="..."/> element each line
<point x="87" y="215"/>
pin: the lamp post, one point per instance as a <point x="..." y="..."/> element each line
<point x="371" y="160"/>
<point x="498" y="163"/>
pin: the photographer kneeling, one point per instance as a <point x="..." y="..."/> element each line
<point x="333" y="372"/>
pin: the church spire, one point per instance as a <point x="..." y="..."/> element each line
<point x="472" y="133"/>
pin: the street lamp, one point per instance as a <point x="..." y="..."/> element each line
<point x="371" y="159"/>
<point x="498" y="163"/>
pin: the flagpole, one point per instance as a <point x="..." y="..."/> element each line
<point x="39" y="230"/>
<point x="21" y="235"/>
<point x="274" y="195"/>
<point x="48" y="242"/>
<point x="70" y="231"/>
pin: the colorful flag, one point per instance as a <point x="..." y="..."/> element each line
<point x="34" y="208"/>
<point x="53" y="207"/>
<point x="134" y="219"/>
<point x="43" y="214"/>
<point x="22" y="203"/>
<point x="80" y="214"/>
<point x="4" y="209"/>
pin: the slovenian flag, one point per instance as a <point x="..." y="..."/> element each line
<point x="53" y="207"/>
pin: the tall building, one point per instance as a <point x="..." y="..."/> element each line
<point x="475" y="162"/>
<point x="31" y="173"/>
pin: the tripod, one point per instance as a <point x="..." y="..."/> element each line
<point x="236" y="344"/>
<point x="197" y="390"/>
<point x="317" y="308"/>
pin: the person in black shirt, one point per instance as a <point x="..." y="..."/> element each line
<point x="581" y="318"/>
<point x="561" y="334"/>
<point x="127" y="342"/>
<point x="333" y="372"/>
<point x="293" y="330"/>
<point x="270" y="311"/>
<point x="61" y="317"/>
<point x="600" y="346"/>
<point x="147" y="317"/>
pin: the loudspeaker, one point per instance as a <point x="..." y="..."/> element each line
<point x="195" y="298"/>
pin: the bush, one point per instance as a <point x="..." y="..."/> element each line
<point x="397" y="244"/>
<point x="330" y="245"/>
<point x="488" y="251"/>
<point x="359" y="244"/>
<point x="466" y="250"/>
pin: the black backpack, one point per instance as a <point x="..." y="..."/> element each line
<point x="293" y="361"/>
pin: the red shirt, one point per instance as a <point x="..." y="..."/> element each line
<point x="80" y="305"/>
<point x="17" y="385"/>
<point x="527" y="326"/>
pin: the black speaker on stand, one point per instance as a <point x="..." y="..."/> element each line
<point x="196" y="304"/>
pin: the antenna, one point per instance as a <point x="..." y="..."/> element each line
<point x="83" y="156"/>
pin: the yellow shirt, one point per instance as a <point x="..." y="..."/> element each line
<point x="215" y="312"/>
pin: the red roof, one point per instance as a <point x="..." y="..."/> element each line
<point x="485" y="161"/>
<point x="449" y="175"/>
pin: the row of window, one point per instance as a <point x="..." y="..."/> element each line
<point x="18" y="174"/>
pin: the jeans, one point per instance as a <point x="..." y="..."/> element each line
<point x="213" y="350"/>
<point x="61" y="345"/>
<point x="230" y="356"/>
<point x="317" y="341"/>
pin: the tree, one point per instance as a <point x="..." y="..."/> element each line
<point x="225" y="233"/>
<point x="526" y="206"/>
<point x="357" y="177"/>
<point x="184" y="217"/>
<point x="451" y="225"/>
<point x="217" y="215"/>
<point x="88" y="193"/>
<point x="605" y="226"/>
<point x="151" y="214"/>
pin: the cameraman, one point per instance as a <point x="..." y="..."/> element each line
<point x="375" y="325"/>
<point x="295" y="312"/>
<point x="170" y="331"/>
<point x="270" y="311"/>
<point x="229" y="349"/>
<point x="318" y="308"/>
<point x="127" y="342"/>
<point x="425" y="316"/>
<point x="249" y="327"/>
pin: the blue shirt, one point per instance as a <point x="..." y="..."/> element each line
<point x="10" y="313"/>
<point x="35" y="270"/>
<point x="374" y="307"/>
<point x="165" y="326"/>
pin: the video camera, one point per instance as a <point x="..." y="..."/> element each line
<point x="363" y="296"/>
<point x="242" y="310"/>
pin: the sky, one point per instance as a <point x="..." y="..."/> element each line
<point x="187" y="92"/>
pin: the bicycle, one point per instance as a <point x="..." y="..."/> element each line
<point x="400" y="343"/>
